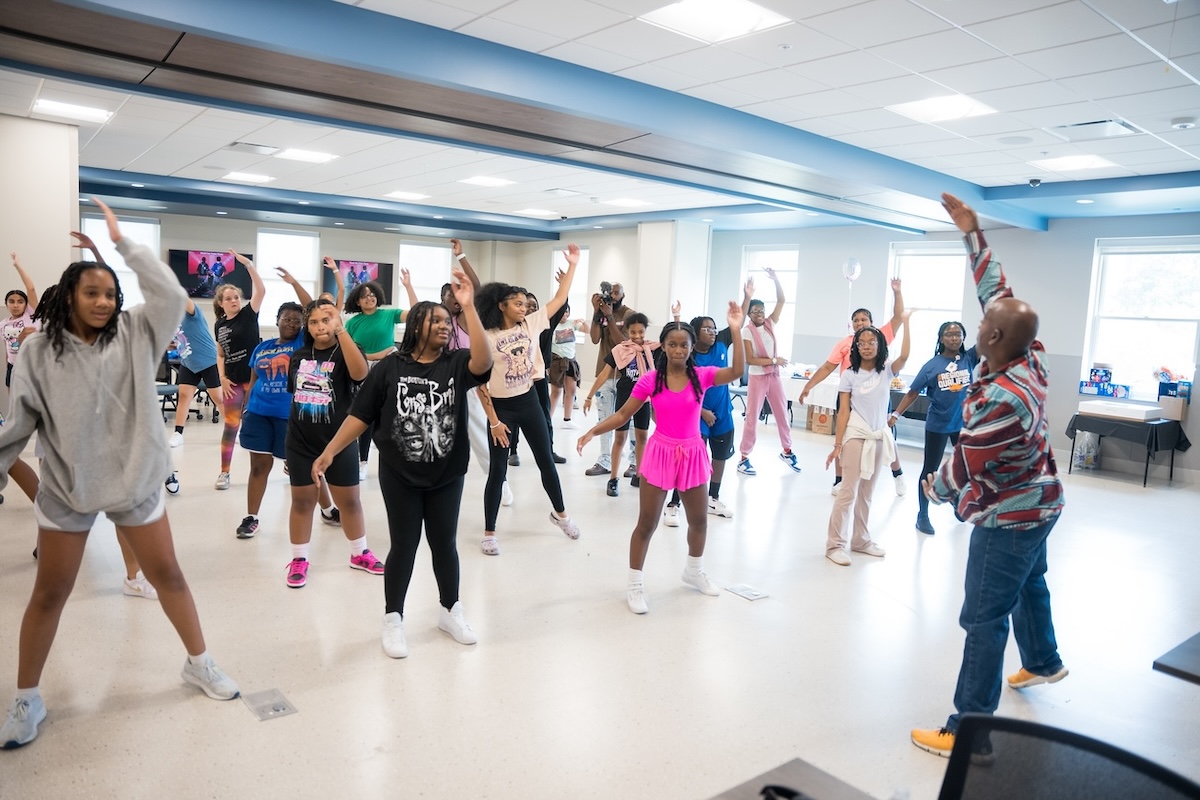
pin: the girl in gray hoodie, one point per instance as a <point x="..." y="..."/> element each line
<point x="85" y="385"/>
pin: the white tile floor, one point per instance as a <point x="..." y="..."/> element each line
<point x="567" y="693"/>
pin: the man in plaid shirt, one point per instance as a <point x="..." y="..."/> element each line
<point x="1002" y="478"/>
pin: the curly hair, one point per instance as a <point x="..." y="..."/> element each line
<point x="219" y="294"/>
<point x="660" y="358"/>
<point x="309" y="341"/>
<point x="55" y="311"/>
<point x="937" y="351"/>
<point x="410" y="345"/>
<point x="375" y="287"/>
<point x="881" y="354"/>
<point x="488" y="300"/>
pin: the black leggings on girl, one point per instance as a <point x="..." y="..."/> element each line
<point x="543" y="392"/>
<point x="364" y="442"/>
<point x="935" y="448"/>
<point x="522" y="412"/>
<point x="407" y="509"/>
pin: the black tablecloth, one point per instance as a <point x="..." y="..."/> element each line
<point x="918" y="409"/>
<point x="1154" y="434"/>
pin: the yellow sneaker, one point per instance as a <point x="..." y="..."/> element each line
<point x="938" y="741"/>
<point x="1023" y="678"/>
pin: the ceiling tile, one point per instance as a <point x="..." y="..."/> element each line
<point x="773" y="84"/>
<point x="827" y="103"/>
<point x="1034" y="95"/>
<point x="1168" y="102"/>
<point x="591" y="57"/>
<point x="1142" y="15"/>
<point x="1083" y="58"/>
<point x="655" y="75"/>
<point x="908" y="134"/>
<point x="997" y="73"/>
<point x="711" y="64"/>
<point x="990" y="125"/>
<point x="822" y="127"/>
<point x="848" y="69"/>
<point x="774" y="110"/>
<point x="473" y="6"/>
<point x="1187" y="139"/>
<point x="1069" y="114"/>
<point x="950" y="48"/>
<point x="1128" y="80"/>
<point x="875" y="119"/>
<point x="803" y="9"/>
<point x="640" y="41"/>
<point x="558" y="19"/>
<point x="1128" y="144"/>
<point x="1174" y="39"/>
<point x="439" y="15"/>
<point x="877" y="22"/>
<point x="789" y="44"/>
<point x="493" y="30"/>
<point x="1144" y="157"/>
<point x="905" y="89"/>
<point x="985" y="159"/>
<point x="968" y="12"/>
<point x="1052" y="26"/>
<point x="719" y="94"/>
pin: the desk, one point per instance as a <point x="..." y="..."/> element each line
<point x="1154" y="434"/>
<point x="798" y="775"/>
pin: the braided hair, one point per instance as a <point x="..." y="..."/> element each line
<point x="660" y="359"/>
<point x="961" y="348"/>
<point x="414" y="327"/>
<point x="55" y="311"/>
<point x="44" y="302"/>
<point x="881" y="354"/>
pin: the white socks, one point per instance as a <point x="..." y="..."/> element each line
<point x="635" y="577"/>
<point x="357" y="546"/>
<point x="29" y="694"/>
<point x="694" y="562"/>
<point x="200" y="660"/>
<point x="301" y="550"/>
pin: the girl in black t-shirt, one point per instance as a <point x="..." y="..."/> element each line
<point x="236" y="332"/>
<point x="416" y="399"/>
<point x="322" y="377"/>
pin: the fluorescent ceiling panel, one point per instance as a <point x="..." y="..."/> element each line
<point x="308" y="156"/>
<point x="942" y="109"/>
<point x="1072" y="163"/>
<point x="713" y="21"/>
<point x="53" y="108"/>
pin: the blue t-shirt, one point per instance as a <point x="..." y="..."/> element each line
<point x="945" y="381"/>
<point x="269" y="397"/>
<point x="197" y="350"/>
<point x="716" y="399"/>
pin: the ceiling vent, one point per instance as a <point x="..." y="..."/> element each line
<point x="1091" y="131"/>
<point x="249" y="147"/>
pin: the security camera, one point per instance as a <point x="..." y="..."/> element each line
<point x="563" y="218"/>
<point x="1035" y="182"/>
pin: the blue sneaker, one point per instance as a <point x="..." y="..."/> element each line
<point x="746" y="468"/>
<point x="790" y="460"/>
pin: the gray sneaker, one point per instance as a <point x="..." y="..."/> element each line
<point x="21" y="726"/>
<point x="210" y="679"/>
<point x="222" y="482"/>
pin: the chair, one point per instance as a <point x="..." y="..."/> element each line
<point x="995" y="757"/>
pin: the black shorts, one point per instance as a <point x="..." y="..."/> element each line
<point x="210" y="376"/>
<point x="342" y="472"/>
<point x="721" y="445"/>
<point x="641" y="419"/>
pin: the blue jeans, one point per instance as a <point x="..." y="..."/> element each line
<point x="1006" y="575"/>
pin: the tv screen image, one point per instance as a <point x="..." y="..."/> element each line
<point x="355" y="273"/>
<point x="200" y="272"/>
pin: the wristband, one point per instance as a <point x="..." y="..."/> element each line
<point x="497" y="425"/>
<point x="461" y="256"/>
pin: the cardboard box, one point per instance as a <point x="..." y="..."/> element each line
<point x="1100" y="376"/>
<point x="824" y="421"/>
<point x="1180" y="389"/>
<point x="1173" y="408"/>
<point x="1117" y="390"/>
<point x="808" y="418"/>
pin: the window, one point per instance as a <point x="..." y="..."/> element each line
<point x="137" y="229"/>
<point x="580" y="298"/>
<point x="785" y="260"/>
<point x="1145" y="310"/>
<point x="933" y="276"/>
<point x="429" y="266"/>
<point x="296" y="251"/>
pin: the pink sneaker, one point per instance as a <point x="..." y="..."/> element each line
<point x="297" y="572"/>
<point x="367" y="562"/>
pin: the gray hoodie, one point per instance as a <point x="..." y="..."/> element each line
<point x="95" y="408"/>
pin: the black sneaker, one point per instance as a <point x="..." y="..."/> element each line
<point x="635" y="481"/>
<point x="924" y="525"/>
<point x="558" y="459"/>
<point x="248" y="527"/>
<point x="614" y="487"/>
<point x="514" y="460"/>
<point x="331" y="516"/>
<point x="631" y="471"/>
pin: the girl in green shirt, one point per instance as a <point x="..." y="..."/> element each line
<point x="372" y="326"/>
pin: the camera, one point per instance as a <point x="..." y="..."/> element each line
<point x="606" y="297"/>
<point x="1035" y="182"/>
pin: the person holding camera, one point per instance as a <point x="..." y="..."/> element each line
<point x="608" y="330"/>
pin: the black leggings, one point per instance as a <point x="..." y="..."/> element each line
<point x="935" y="448"/>
<point x="364" y="442"/>
<point x="522" y="412"/>
<point x="543" y="392"/>
<point x="407" y="509"/>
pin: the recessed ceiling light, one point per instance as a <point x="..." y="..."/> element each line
<point x="84" y="200"/>
<point x="247" y="177"/>
<point x="441" y="233"/>
<point x="714" y="21"/>
<point x="53" y="108"/>
<point x="942" y="109"/>
<point x="339" y="223"/>
<point x="536" y="212"/>
<point x="391" y="229"/>
<point x="158" y="208"/>
<point x="814" y="213"/>
<point x="308" y="156"/>
<point x="597" y="227"/>
<point x="438" y="216"/>
<point x="302" y="202"/>
<point x="138" y="185"/>
<point x="406" y="195"/>
<point x="486" y="180"/>
<point x="706" y="220"/>
<point x="626" y="202"/>
<point x="1085" y="202"/>
<point x="222" y="213"/>
<point x="1072" y="163"/>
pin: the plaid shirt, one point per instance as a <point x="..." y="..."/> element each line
<point x="1002" y="473"/>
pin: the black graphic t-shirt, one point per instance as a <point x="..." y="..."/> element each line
<point x="420" y="415"/>
<point x="322" y="391"/>
<point x="238" y="337"/>
<point x="627" y="376"/>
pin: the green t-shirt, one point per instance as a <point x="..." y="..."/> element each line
<point x="374" y="332"/>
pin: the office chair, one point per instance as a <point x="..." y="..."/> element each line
<point x="995" y="757"/>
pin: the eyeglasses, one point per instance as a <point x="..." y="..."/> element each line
<point x="708" y="330"/>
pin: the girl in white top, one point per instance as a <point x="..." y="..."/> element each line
<point x="863" y="438"/>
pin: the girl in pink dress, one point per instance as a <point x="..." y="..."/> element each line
<point x="675" y="456"/>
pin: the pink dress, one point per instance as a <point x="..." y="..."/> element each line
<point x="675" y="456"/>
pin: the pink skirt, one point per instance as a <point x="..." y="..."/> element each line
<point x="675" y="463"/>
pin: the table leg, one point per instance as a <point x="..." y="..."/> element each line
<point x="1071" y="462"/>
<point x="1146" y="474"/>
<point x="1172" y="477"/>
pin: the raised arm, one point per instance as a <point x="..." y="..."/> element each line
<point x="676" y="308"/>
<point x="406" y="281"/>
<point x="779" y="298"/>
<point x="729" y="374"/>
<point x="747" y="296"/>
<point x="457" y="248"/>
<point x="897" y="305"/>
<point x="30" y="291"/>
<point x="464" y="293"/>
<point x="564" y="285"/>
<point x="337" y="278"/>
<point x="989" y="277"/>
<point x="301" y="293"/>
<point x="165" y="298"/>
<point x="258" y="289"/>
<point x="905" y="344"/>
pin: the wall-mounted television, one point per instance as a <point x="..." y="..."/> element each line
<point x="200" y="272"/>
<point x="357" y="272"/>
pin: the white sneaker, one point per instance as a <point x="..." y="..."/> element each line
<point x="839" y="557"/>
<point x="21" y="725"/>
<point x="394" y="643"/>
<point x="671" y="516"/>
<point x="140" y="587"/>
<point x="873" y="550"/>
<point x="566" y="525"/>
<point x="719" y="509"/>
<point x="901" y="486"/>
<point x="455" y="623"/>
<point x="176" y="439"/>
<point x="222" y="481"/>
<point x="635" y="597"/>
<point x="172" y="484"/>
<point x="362" y="471"/>
<point x="506" y="495"/>
<point x="697" y="578"/>
<point x="210" y="679"/>
<point x="837" y="487"/>
<point x="568" y="424"/>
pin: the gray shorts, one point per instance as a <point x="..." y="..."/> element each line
<point x="55" y="515"/>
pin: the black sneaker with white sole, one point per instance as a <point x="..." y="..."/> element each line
<point x="331" y="515"/>
<point x="248" y="527"/>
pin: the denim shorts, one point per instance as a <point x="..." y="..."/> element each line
<point x="261" y="434"/>
<point x="53" y="514"/>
